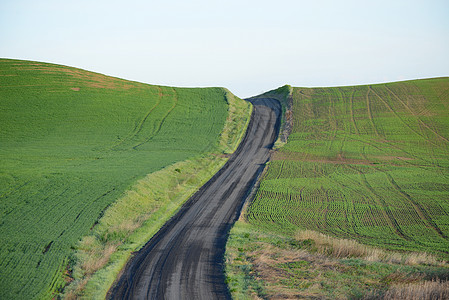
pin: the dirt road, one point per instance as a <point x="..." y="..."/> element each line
<point x="184" y="260"/>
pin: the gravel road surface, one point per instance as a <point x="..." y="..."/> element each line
<point x="184" y="260"/>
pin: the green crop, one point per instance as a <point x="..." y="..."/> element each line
<point x="71" y="143"/>
<point x="369" y="163"/>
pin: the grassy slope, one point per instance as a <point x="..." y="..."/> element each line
<point x="133" y="219"/>
<point x="369" y="163"/>
<point x="366" y="163"/>
<point x="71" y="143"/>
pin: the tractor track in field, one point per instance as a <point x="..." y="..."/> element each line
<point x="161" y="123"/>
<point x="185" y="259"/>
<point x="415" y="114"/>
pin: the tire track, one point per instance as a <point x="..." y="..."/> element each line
<point x="280" y="169"/>
<point x="386" y="212"/>
<point x="415" y="115"/>
<point x="370" y="115"/>
<point x="332" y="120"/>
<point x="400" y="119"/>
<point x="433" y="161"/>
<point x="351" y="108"/>
<point x="444" y="95"/>
<point x="326" y="209"/>
<point x="409" y="154"/>
<point x="161" y="123"/>
<point x="138" y="128"/>
<point x="417" y="207"/>
<point x="341" y="98"/>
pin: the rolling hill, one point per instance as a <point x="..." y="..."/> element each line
<point x="363" y="164"/>
<point x="71" y="143"/>
<point x="369" y="163"/>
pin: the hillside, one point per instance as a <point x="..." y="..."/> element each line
<point x="369" y="163"/>
<point x="363" y="163"/>
<point x="71" y="143"/>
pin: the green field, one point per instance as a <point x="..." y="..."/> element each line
<point x="369" y="163"/>
<point x="71" y="143"/>
<point x="346" y="206"/>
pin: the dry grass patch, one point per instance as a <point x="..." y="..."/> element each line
<point x="344" y="248"/>
<point x="272" y="267"/>
<point x="315" y="266"/>
<point x="426" y="290"/>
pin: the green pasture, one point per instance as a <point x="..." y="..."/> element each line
<point x="71" y="143"/>
<point x="369" y="163"/>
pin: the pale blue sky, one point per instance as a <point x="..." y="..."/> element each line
<point x="247" y="46"/>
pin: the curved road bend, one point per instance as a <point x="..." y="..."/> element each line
<point x="184" y="260"/>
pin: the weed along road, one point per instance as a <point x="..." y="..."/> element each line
<point x="184" y="260"/>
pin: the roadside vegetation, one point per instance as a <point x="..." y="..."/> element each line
<point x="262" y="264"/>
<point x="367" y="165"/>
<point x="88" y="161"/>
